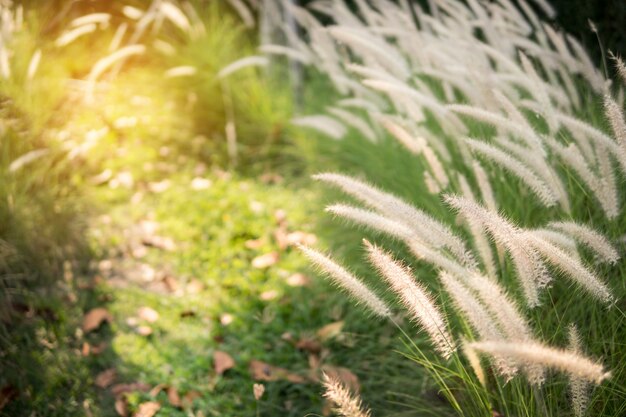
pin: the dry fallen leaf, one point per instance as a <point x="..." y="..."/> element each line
<point x="226" y="319"/>
<point x="298" y="280"/>
<point x="121" y="406"/>
<point x="258" y="390"/>
<point x="147" y="409"/>
<point x="94" y="318"/>
<point x="170" y="283"/>
<point x="189" y="398"/>
<point x="255" y="243"/>
<point x="330" y="330"/>
<point x="268" y="295"/>
<point x="7" y="393"/>
<point x="280" y="235"/>
<point x="144" y="330"/>
<point x="194" y="286"/>
<point x="265" y="261"/>
<point x="262" y="371"/>
<point x="173" y="397"/>
<point x="222" y="362"/>
<point x="156" y="389"/>
<point x="344" y="375"/>
<point x="310" y="345"/>
<point x="301" y="238"/>
<point x="119" y="389"/>
<point x="106" y="378"/>
<point x="148" y="314"/>
<point x="199" y="183"/>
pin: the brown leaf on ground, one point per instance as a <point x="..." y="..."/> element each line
<point x="298" y="280"/>
<point x="187" y="313"/>
<point x="144" y="330"/>
<point x="301" y="238"/>
<point x="88" y="349"/>
<point x="280" y="236"/>
<point x="226" y="319"/>
<point x="268" y="295"/>
<point x="194" y="286"/>
<point x="119" y="389"/>
<point x="189" y="397"/>
<point x="262" y="371"/>
<point x="159" y="242"/>
<point x="344" y="375"/>
<point x="7" y="393"/>
<point x="266" y="260"/>
<point x="173" y="397"/>
<point x="106" y="378"/>
<point x="309" y="345"/>
<point x="258" y="390"/>
<point x="170" y="283"/>
<point x="222" y="362"/>
<point x="255" y="243"/>
<point x="94" y="318"/>
<point x="199" y="183"/>
<point x="280" y="216"/>
<point x="156" y="389"/>
<point x="147" y="409"/>
<point x="148" y="314"/>
<point x="121" y="406"/>
<point x="330" y="330"/>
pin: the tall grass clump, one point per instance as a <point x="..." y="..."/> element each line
<point x="503" y="122"/>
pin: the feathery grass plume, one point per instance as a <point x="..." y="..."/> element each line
<point x="415" y="298"/>
<point x="539" y="92"/>
<point x="101" y="18"/>
<point x="571" y="266"/>
<point x="249" y="61"/>
<point x="182" y="71"/>
<point x="33" y="65"/>
<point x="478" y="317"/>
<point x="484" y="186"/>
<point x="243" y="11"/>
<point x="344" y="279"/>
<point x="399" y="231"/>
<point x="348" y="404"/>
<point x="423" y="225"/>
<point x="175" y="15"/>
<point x="70" y="36"/>
<point x="520" y="131"/>
<point x="354" y="121"/>
<point x="559" y="239"/>
<point x="615" y="115"/>
<point x="589" y="237"/>
<point x="619" y="66"/>
<point x="531" y="271"/>
<point x="538" y="185"/>
<point x="116" y="41"/>
<point x="418" y="146"/>
<point x="291" y="53"/>
<point x="481" y="242"/>
<point x="105" y="63"/>
<point x="132" y="13"/>
<point x="578" y="387"/>
<point x="474" y="361"/>
<point x="325" y="124"/>
<point x="532" y="353"/>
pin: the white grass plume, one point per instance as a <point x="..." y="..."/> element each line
<point x="324" y="124"/>
<point x="474" y="361"/>
<point x="571" y="266"/>
<point x="590" y="238"/>
<point x="344" y="279"/>
<point x="530" y="269"/>
<point x="347" y="404"/>
<point x="415" y="298"/>
<point x="615" y="115"/>
<point x="538" y="185"/>
<point x="533" y="353"/>
<point x="478" y="317"/>
<point x="578" y="387"/>
<point x="249" y="61"/>
<point x="429" y="229"/>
